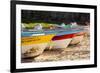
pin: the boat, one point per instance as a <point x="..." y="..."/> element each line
<point x="64" y="38"/>
<point x="42" y="39"/>
<point x="39" y="41"/>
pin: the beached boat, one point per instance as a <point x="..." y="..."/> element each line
<point x="39" y="40"/>
<point x="64" y="38"/>
<point x="58" y="39"/>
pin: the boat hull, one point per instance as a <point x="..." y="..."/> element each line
<point x="33" y="50"/>
<point x="35" y="43"/>
<point x="62" y="41"/>
<point x="78" y="37"/>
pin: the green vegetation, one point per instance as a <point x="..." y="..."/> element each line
<point x="44" y="24"/>
<point x="31" y="25"/>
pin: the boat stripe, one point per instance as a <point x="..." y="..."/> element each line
<point x="66" y="36"/>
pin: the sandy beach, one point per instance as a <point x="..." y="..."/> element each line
<point x="72" y="52"/>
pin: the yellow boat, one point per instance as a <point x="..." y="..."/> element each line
<point x="39" y="42"/>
